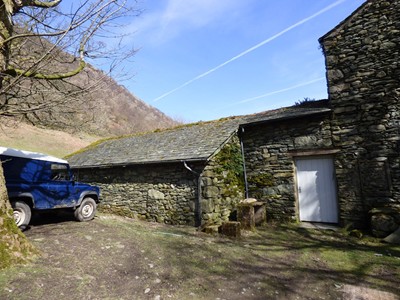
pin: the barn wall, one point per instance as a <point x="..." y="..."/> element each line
<point x="269" y="150"/>
<point x="161" y="193"/>
<point x="363" y="71"/>
<point x="168" y="193"/>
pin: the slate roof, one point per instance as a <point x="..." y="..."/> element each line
<point x="192" y="142"/>
<point x="305" y="109"/>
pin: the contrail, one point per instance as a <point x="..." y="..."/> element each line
<point x="282" y="90"/>
<point x="329" y="7"/>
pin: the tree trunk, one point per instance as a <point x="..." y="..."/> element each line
<point x="14" y="246"/>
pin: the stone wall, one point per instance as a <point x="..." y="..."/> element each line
<point x="168" y="193"/>
<point x="269" y="159"/>
<point x="363" y="71"/>
<point x="162" y="193"/>
<point x="223" y="184"/>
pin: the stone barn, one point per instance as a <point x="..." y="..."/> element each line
<point x="190" y="174"/>
<point x="331" y="161"/>
<point x="342" y="166"/>
<point x="363" y="73"/>
<point x="274" y="145"/>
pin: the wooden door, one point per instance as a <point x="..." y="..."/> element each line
<point x="316" y="187"/>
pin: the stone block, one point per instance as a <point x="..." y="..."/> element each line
<point x="207" y="206"/>
<point x="211" y="192"/>
<point x="230" y="228"/>
<point x="260" y="215"/>
<point x="212" y="229"/>
<point x="246" y="216"/>
<point x="155" y="195"/>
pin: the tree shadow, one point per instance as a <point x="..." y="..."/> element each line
<point x="40" y="218"/>
<point x="287" y="260"/>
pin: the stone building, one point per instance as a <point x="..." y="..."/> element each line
<point x="363" y="72"/>
<point x="190" y="174"/>
<point x="341" y="166"/>
<point x="332" y="161"/>
<point x="272" y="146"/>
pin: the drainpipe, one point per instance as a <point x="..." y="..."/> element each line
<point x="246" y="186"/>
<point x="197" y="204"/>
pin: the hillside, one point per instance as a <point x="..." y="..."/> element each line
<point x="106" y="110"/>
<point x="111" y="110"/>
<point x="31" y="138"/>
<point x="75" y="111"/>
<point x="90" y="102"/>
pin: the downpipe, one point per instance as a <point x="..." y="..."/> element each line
<point x="246" y="185"/>
<point x="197" y="203"/>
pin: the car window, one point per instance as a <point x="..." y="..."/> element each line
<point x="59" y="172"/>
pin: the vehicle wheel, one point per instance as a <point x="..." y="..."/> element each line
<point x="86" y="211"/>
<point x="22" y="214"/>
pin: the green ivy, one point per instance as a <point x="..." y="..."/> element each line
<point x="230" y="165"/>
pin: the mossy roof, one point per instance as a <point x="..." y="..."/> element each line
<point x="192" y="142"/>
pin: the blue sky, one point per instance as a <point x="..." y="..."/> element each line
<point x="207" y="59"/>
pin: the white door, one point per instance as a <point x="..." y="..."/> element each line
<point x="316" y="187"/>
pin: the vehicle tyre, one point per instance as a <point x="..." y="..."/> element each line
<point x="22" y="213"/>
<point x="86" y="211"/>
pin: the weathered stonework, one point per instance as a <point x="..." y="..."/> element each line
<point x="222" y="183"/>
<point x="362" y="61"/>
<point x="359" y="128"/>
<point x="168" y="192"/>
<point x="269" y="160"/>
<point x="160" y="193"/>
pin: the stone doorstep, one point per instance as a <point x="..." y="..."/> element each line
<point x="323" y="226"/>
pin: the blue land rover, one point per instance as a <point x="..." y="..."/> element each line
<point x="37" y="181"/>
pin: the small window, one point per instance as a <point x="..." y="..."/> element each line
<point x="59" y="172"/>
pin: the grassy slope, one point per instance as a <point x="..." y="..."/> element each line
<point x="52" y="142"/>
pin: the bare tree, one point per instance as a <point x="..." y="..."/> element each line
<point x="43" y="45"/>
<point x="46" y="45"/>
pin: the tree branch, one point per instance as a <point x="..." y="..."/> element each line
<point x="33" y="74"/>
<point x="37" y="3"/>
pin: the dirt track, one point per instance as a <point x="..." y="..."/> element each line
<point x="116" y="258"/>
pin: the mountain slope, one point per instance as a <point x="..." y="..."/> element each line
<point x="113" y="110"/>
<point x="90" y="101"/>
<point x="74" y="111"/>
<point x="31" y="138"/>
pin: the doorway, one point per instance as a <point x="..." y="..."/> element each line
<point x="316" y="189"/>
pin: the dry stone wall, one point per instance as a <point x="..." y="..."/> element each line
<point x="362" y="61"/>
<point x="161" y="193"/>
